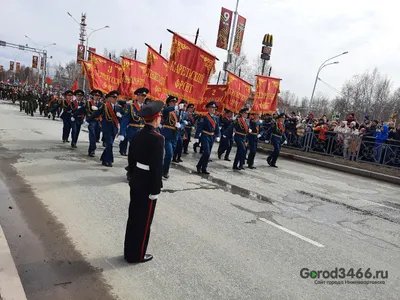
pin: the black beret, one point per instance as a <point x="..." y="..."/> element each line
<point x="141" y="91"/>
<point x="68" y="93"/>
<point x="243" y="110"/>
<point x="151" y="108"/>
<point x="112" y="94"/>
<point x="96" y="92"/>
<point x="79" y="93"/>
<point x="183" y="102"/>
<point x="172" y="98"/>
<point x="122" y="102"/>
<point x="190" y="105"/>
<point x="211" y="104"/>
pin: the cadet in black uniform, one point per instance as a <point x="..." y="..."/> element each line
<point x="145" y="171"/>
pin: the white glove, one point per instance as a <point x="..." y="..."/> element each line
<point x="86" y="122"/>
<point x="234" y="118"/>
<point x="153" y="197"/>
<point x="181" y="106"/>
<point x="121" y="138"/>
<point x="285" y="142"/>
<point x="196" y="140"/>
<point x="72" y="119"/>
<point x="119" y="115"/>
<point x="79" y="107"/>
<point x="267" y="142"/>
<point x="160" y="126"/>
<point x="259" y="135"/>
<point x="94" y="108"/>
<point x="186" y="122"/>
<point x="250" y="131"/>
<point x="178" y="125"/>
<point x="218" y="139"/>
<point x="176" y="107"/>
<point x="224" y="136"/>
<point x="260" y="121"/>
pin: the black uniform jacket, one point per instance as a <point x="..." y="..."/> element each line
<point x="147" y="150"/>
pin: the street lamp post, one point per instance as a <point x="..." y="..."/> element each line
<point x="323" y="65"/>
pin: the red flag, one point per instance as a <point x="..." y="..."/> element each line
<point x="132" y="77"/>
<point x="237" y="42"/>
<point x="215" y="93"/>
<point x="156" y="74"/>
<point x="237" y="94"/>
<point x="48" y="80"/>
<point x="224" y="28"/>
<point x="266" y="96"/>
<point x="75" y="86"/>
<point x="189" y="69"/>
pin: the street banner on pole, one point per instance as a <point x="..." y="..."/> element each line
<point x="237" y="94"/>
<point x="103" y="74"/>
<point x="1" y="69"/>
<point x="189" y="69"/>
<point x="35" y="62"/>
<point x="266" y="96"/>
<point x="237" y="43"/>
<point x="41" y="63"/>
<point x="91" y="50"/>
<point x="80" y="56"/>
<point x="11" y="65"/>
<point x="156" y="74"/>
<point x="18" y="67"/>
<point x="133" y="76"/>
<point x="214" y="92"/>
<point x="224" y="28"/>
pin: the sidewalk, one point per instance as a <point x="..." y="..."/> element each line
<point x="10" y="283"/>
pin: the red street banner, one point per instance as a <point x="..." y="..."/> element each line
<point x="189" y="69"/>
<point x="34" y="62"/>
<point x="156" y="74"/>
<point x="41" y="63"/>
<point x="103" y="74"/>
<point x="224" y="28"/>
<point x="237" y="94"/>
<point x="237" y="42"/>
<point x="89" y="53"/>
<point x="1" y="68"/>
<point x="132" y="77"/>
<point x="215" y="93"/>
<point x="266" y="96"/>
<point x="11" y="66"/>
<point x="80" y="56"/>
<point x="18" y="67"/>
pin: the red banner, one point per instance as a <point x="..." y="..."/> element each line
<point x="41" y="63"/>
<point x="237" y="42"/>
<point x="156" y="74"/>
<point x="1" y="68"/>
<point x="11" y="66"/>
<point x="215" y="93"/>
<point x="237" y="94"/>
<point x="89" y="53"/>
<point x="224" y="28"/>
<point x="103" y="74"/>
<point x="132" y="77"/>
<point x="35" y="62"/>
<point x="18" y="67"/>
<point x="189" y="69"/>
<point x="266" y="96"/>
<point x="80" y="55"/>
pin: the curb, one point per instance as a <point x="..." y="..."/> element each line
<point x="10" y="283"/>
<point x="338" y="167"/>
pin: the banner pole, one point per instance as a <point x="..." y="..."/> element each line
<point x="159" y="52"/>
<point x="197" y="35"/>
<point x="232" y="33"/>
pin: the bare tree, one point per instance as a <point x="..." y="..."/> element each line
<point x="128" y="52"/>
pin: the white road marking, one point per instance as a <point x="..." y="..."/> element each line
<point x="292" y="233"/>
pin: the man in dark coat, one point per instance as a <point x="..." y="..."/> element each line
<point x="145" y="172"/>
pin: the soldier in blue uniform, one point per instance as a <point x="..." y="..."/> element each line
<point x="241" y="128"/>
<point x="170" y="132"/>
<point x="110" y="124"/>
<point x="207" y="130"/>
<point x="181" y="132"/>
<point x="76" y="119"/>
<point x="254" y="135"/>
<point x="131" y="122"/>
<point x="189" y="119"/>
<point x="277" y="138"/>
<point x="226" y="143"/>
<point x="88" y="109"/>
<point x="66" y="107"/>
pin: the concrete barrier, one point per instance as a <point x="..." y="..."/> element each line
<point x="10" y="283"/>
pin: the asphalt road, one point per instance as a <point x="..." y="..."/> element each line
<point x="230" y="235"/>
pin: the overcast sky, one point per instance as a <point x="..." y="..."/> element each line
<point x="305" y="32"/>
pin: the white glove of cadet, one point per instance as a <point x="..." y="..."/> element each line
<point x="250" y="131"/>
<point x="181" y="106"/>
<point x="260" y="121"/>
<point x="160" y="126"/>
<point x="119" y="115"/>
<point x="176" y="107"/>
<point x="218" y="139"/>
<point x="224" y="136"/>
<point x="94" y="108"/>
<point x="196" y="140"/>
<point x="285" y="142"/>
<point x="72" y="119"/>
<point x="267" y="142"/>
<point x="153" y="197"/>
<point x="121" y="138"/>
<point x="186" y="122"/>
<point x="258" y="135"/>
<point x="178" y="125"/>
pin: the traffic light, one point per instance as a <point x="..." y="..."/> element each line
<point x="268" y="40"/>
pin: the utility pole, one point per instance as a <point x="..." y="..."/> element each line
<point x="82" y="38"/>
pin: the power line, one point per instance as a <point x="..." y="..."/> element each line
<point x="331" y="87"/>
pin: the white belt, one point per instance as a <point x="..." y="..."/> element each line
<point x="142" y="166"/>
